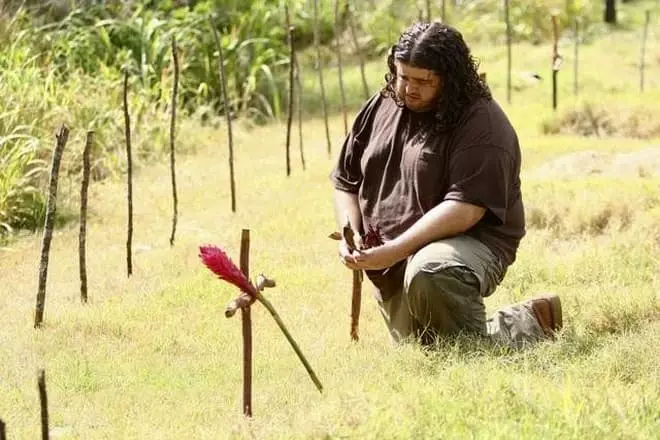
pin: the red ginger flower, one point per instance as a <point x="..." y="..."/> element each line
<point x="372" y="238"/>
<point x="221" y="265"/>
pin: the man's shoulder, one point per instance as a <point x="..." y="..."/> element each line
<point x="485" y="125"/>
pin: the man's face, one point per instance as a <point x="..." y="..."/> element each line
<point x="418" y="88"/>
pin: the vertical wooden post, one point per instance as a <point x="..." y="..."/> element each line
<point x="340" y="67"/>
<point x="225" y="100"/>
<point x="62" y="137"/>
<point x="358" y="50"/>
<point x="3" y="434"/>
<point x="247" y="328"/>
<point x="299" y="105"/>
<point x="129" y="159"/>
<point x="507" y="19"/>
<point x="647" y="18"/>
<point x="444" y="12"/>
<point x="576" y="56"/>
<point x="43" y="403"/>
<point x="319" y="66"/>
<point x="428" y="11"/>
<point x="82" y="236"/>
<point x="175" y="88"/>
<point x="555" y="61"/>
<point x="289" y="119"/>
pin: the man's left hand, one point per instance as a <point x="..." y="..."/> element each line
<point x="380" y="257"/>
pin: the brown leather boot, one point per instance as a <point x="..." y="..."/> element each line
<point x="547" y="309"/>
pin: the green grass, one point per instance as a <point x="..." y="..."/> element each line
<point x="154" y="357"/>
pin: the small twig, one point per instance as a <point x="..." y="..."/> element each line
<point x="82" y="237"/>
<point x="175" y="88"/>
<point x="43" y="401"/>
<point x="62" y="137"/>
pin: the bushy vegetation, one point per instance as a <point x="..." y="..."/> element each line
<point x="62" y="62"/>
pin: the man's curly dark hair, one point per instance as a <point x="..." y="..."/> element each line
<point x="441" y="49"/>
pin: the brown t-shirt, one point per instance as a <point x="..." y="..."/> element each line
<point x="399" y="175"/>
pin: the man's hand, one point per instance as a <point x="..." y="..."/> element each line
<point x="380" y="257"/>
<point x="347" y="254"/>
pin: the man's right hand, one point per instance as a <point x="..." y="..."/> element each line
<point x="347" y="255"/>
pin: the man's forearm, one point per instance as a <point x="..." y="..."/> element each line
<point x="346" y="205"/>
<point x="448" y="219"/>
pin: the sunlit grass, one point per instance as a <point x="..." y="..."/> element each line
<point x="154" y="357"/>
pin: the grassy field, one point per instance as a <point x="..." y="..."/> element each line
<point x="154" y="357"/>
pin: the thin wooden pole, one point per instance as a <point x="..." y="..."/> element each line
<point x="428" y="11"/>
<point x="129" y="159"/>
<point x="82" y="236"/>
<point x="62" y="137"/>
<point x="223" y="81"/>
<point x="444" y="12"/>
<point x="289" y="119"/>
<point x="3" y="434"/>
<point x="299" y="105"/>
<point x="319" y="66"/>
<point x="340" y="67"/>
<point x="246" y="328"/>
<point x="642" y="61"/>
<point x="555" y="61"/>
<point x="358" y="50"/>
<point x="507" y="19"/>
<point x="175" y="89"/>
<point x="43" y="403"/>
<point x="576" y="56"/>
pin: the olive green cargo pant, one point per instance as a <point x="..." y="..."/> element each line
<point x="442" y="294"/>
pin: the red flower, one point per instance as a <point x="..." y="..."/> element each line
<point x="221" y="265"/>
<point x="372" y="238"/>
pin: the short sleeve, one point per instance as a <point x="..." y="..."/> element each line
<point x="347" y="174"/>
<point x="482" y="176"/>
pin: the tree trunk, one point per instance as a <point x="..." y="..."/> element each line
<point x="610" y="11"/>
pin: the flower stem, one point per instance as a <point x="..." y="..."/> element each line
<point x="293" y="343"/>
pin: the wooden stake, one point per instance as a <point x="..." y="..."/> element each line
<point x="556" y="60"/>
<point x="247" y="328"/>
<point x="3" y="434"/>
<point x="43" y="402"/>
<point x="647" y="18"/>
<point x="82" y="236"/>
<point x="358" y="50"/>
<point x="289" y="119"/>
<point x="62" y="137"/>
<point x="175" y="88"/>
<point x="129" y="159"/>
<point x="507" y="19"/>
<point x="319" y="66"/>
<point x="340" y="67"/>
<point x="299" y="105"/>
<point x="428" y="11"/>
<point x="223" y="81"/>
